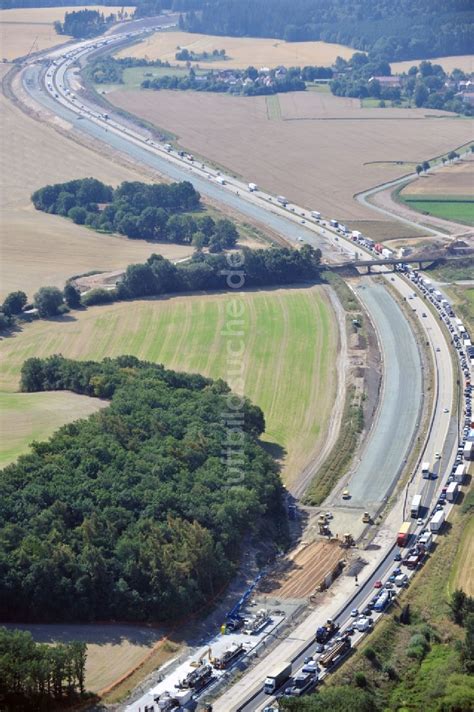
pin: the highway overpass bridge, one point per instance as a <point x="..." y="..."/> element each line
<point x="392" y="262"/>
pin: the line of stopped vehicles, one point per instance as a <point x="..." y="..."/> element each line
<point x="333" y="642"/>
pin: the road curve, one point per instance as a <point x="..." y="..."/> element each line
<point x="259" y="208"/>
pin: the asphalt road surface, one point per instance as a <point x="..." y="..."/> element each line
<point x="390" y="439"/>
<point x="395" y="425"/>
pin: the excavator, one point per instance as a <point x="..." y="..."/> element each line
<point x="198" y="663"/>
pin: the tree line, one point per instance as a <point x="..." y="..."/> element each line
<point x="158" y="276"/>
<point x="248" y="82"/>
<point x="393" y="29"/>
<point x="425" y="85"/>
<point x="157" y="212"/>
<point x="133" y="513"/>
<point x="109" y="70"/>
<point x="36" y="676"/>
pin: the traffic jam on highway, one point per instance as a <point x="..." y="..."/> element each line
<point x="334" y="639"/>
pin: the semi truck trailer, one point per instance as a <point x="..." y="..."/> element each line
<point x="403" y="534"/>
<point x="437" y="521"/>
<point x="415" y="505"/>
<point x="277" y="676"/>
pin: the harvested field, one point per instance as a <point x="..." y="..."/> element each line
<point x="289" y="335"/>
<point x="242" y="51"/>
<point x="386" y="230"/>
<point x="296" y="157"/>
<point x="31" y="29"/>
<point x="320" y="106"/>
<point x="112" y="650"/>
<point x="448" y="193"/>
<point x="25" y="417"/>
<point x="39" y="249"/>
<point x="454" y="180"/>
<point x="465" y="62"/>
<point x="303" y="571"/>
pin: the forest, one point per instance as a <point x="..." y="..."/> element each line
<point x="37" y="676"/>
<point x="393" y="29"/>
<point x="84" y="23"/>
<point x="157" y="212"/>
<point x="137" y="512"/>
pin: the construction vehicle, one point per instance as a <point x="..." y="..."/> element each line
<point x="198" y="663"/>
<point x="366" y="518"/>
<point x="347" y="541"/>
<point x="326" y="631"/>
<point x="336" y="654"/>
<point x="403" y="534"/>
<point x="256" y="623"/>
<point x="277" y="677"/>
<point x="229" y="656"/>
<point x="167" y="702"/>
<point x="196" y="679"/>
<point x="323" y="524"/>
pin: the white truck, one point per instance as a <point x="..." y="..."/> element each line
<point x="425" y="470"/>
<point x="459" y="474"/>
<point x="253" y="187"/>
<point x="333" y="223"/>
<point x="282" y="200"/>
<point x="356" y="235"/>
<point x="452" y="492"/>
<point x="363" y="624"/>
<point x="316" y="215"/>
<point x="437" y="521"/>
<point x="276" y="678"/>
<point x="415" y="505"/>
<point x="386" y="253"/>
<point x="220" y="180"/>
<point x="401" y="580"/>
<point x="426" y="539"/>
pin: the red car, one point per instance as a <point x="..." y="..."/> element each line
<point x="378" y="584"/>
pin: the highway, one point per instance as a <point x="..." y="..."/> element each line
<point x="395" y="427"/>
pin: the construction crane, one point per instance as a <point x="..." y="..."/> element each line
<point x="35" y="42"/>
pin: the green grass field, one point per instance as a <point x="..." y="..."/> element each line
<point x="458" y="210"/>
<point x="289" y="338"/>
<point x="273" y="107"/>
<point x="133" y="76"/>
<point x="25" y="417"/>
